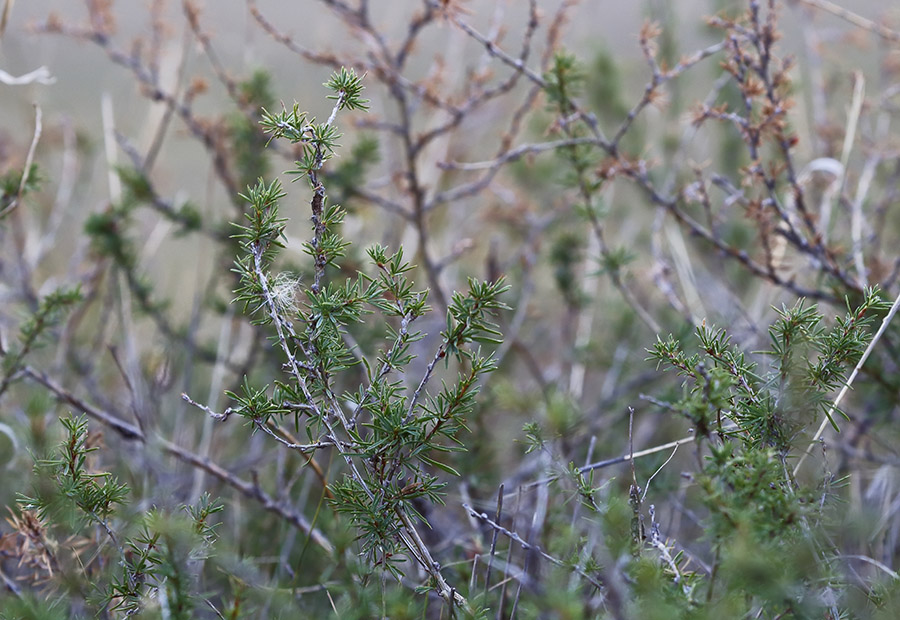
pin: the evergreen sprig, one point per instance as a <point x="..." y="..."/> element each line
<point x="49" y="313"/>
<point x="96" y="494"/>
<point x="387" y="434"/>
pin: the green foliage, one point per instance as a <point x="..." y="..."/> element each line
<point x="149" y="569"/>
<point x="11" y="182"/>
<point x="105" y="231"/>
<point x="247" y="142"/>
<point x="318" y="140"/>
<point x="565" y="256"/>
<point x="752" y="420"/>
<point x="139" y="191"/>
<point x="347" y="89"/>
<point x="96" y="495"/>
<point x="604" y="87"/>
<point x="345" y="179"/>
<point x="375" y="479"/>
<point x="34" y="330"/>
<point x="393" y="433"/>
<point x="767" y="410"/>
<point x="564" y="81"/>
<point x="747" y="493"/>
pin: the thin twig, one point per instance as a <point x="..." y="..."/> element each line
<point x="219" y="417"/>
<point x="857" y="20"/>
<point x="11" y="585"/>
<point x="481" y="516"/>
<point x="619" y="459"/>
<point x="496" y="534"/>
<point x="880" y="565"/>
<point x="129" y="431"/>
<point x="659" y="469"/>
<point x="125" y="429"/>
<point x="303" y="448"/>
<point x="250" y="490"/>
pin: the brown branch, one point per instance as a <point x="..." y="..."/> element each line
<point x="854" y="18"/>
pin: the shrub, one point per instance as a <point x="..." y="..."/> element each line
<point x="313" y="422"/>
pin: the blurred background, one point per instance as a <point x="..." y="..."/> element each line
<point x="149" y="132"/>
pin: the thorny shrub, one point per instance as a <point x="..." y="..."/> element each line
<point x="323" y="427"/>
